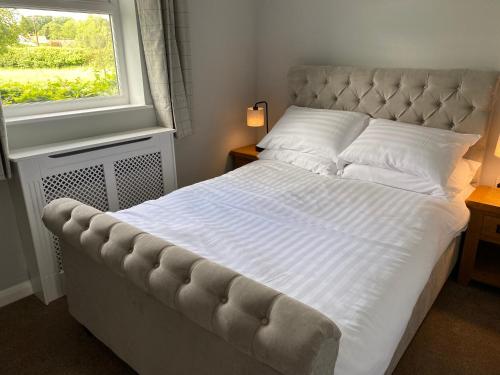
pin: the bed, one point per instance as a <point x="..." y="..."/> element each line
<point x="271" y="269"/>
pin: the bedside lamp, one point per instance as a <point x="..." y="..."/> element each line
<point x="497" y="154"/>
<point x="258" y="116"/>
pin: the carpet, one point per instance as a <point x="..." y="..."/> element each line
<point x="461" y="335"/>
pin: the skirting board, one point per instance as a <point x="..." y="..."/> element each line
<point x="15" y="293"/>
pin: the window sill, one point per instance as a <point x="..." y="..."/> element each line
<point x="32" y="119"/>
<point x="83" y="143"/>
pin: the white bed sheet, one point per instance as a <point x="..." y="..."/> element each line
<point x="359" y="252"/>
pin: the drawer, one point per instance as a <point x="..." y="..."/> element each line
<point x="240" y="161"/>
<point x="491" y="229"/>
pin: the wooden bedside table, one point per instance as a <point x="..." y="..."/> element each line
<point x="482" y="263"/>
<point x="243" y="155"/>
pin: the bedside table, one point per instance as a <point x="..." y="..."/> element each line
<point x="243" y="155"/>
<point x="482" y="263"/>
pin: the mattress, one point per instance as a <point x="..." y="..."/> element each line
<point x="358" y="252"/>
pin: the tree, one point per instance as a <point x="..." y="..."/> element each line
<point x="94" y="33"/>
<point x="31" y="26"/>
<point x="52" y="30"/>
<point x="61" y="20"/>
<point x="8" y="29"/>
<point x="69" y="29"/>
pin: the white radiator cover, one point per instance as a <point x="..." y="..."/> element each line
<point x="109" y="173"/>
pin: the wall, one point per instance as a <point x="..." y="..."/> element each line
<point x="12" y="265"/>
<point x="223" y="43"/>
<point x="376" y="33"/>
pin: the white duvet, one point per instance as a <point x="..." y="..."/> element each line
<point x="359" y="252"/>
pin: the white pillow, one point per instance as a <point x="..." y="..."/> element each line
<point x="425" y="152"/>
<point x="320" y="132"/>
<point x="459" y="180"/>
<point x="313" y="163"/>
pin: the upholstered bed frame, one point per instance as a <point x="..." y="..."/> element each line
<point x="165" y="310"/>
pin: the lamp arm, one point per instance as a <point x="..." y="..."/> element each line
<point x="256" y="105"/>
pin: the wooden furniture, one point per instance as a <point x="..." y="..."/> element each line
<point x="243" y="155"/>
<point x="111" y="172"/>
<point x="482" y="263"/>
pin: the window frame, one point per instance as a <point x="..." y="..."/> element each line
<point x="108" y="7"/>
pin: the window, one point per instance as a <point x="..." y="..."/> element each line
<point x="60" y="56"/>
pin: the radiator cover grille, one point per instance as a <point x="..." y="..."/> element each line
<point x="87" y="185"/>
<point x="138" y="179"/>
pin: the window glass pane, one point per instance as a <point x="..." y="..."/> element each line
<point x="51" y="55"/>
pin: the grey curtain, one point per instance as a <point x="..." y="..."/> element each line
<point x="165" y="38"/>
<point x="4" y="149"/>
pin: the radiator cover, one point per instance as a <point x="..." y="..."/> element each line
<point x="109" y="173"/>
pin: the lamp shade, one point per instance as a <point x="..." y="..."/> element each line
<point x="497" y="149"/>
<point x="255" y="117"/>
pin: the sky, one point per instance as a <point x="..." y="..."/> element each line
<point x="37" y="12"/>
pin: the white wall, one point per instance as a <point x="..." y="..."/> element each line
<point x="223" y="37"/>
<point x="376" y="33"/>
<point x="12" y="264"/>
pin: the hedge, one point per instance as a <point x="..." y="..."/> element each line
<point x="60" y="89"/>
<point x="44" y="57"/>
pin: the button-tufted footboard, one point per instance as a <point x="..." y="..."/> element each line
<point x="267" y="329"/>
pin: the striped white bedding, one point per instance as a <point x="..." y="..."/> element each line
<point x="358" y="252"/>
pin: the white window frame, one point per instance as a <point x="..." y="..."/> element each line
<point x="111" y="7"/>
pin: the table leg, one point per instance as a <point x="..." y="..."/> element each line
<point x="470" y="248"/>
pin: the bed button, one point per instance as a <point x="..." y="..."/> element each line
<point x="264" y="321"/>
<point x="223" y="300"/>
<point x="187" y="280"/>
<point x="156" y="265"/>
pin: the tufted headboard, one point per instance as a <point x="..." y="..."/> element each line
<point x="459" y="100"/>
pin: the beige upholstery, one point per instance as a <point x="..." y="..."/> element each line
<point x="151" y="337"/>
<point x="275" y="330"/>
<point x="458" y="100"/>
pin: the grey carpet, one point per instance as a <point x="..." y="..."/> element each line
<point x="461" y="335"/>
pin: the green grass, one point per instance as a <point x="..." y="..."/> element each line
<point x="42" y="75"/>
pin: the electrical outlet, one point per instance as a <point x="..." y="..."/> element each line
<point x="497" y="182"/>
